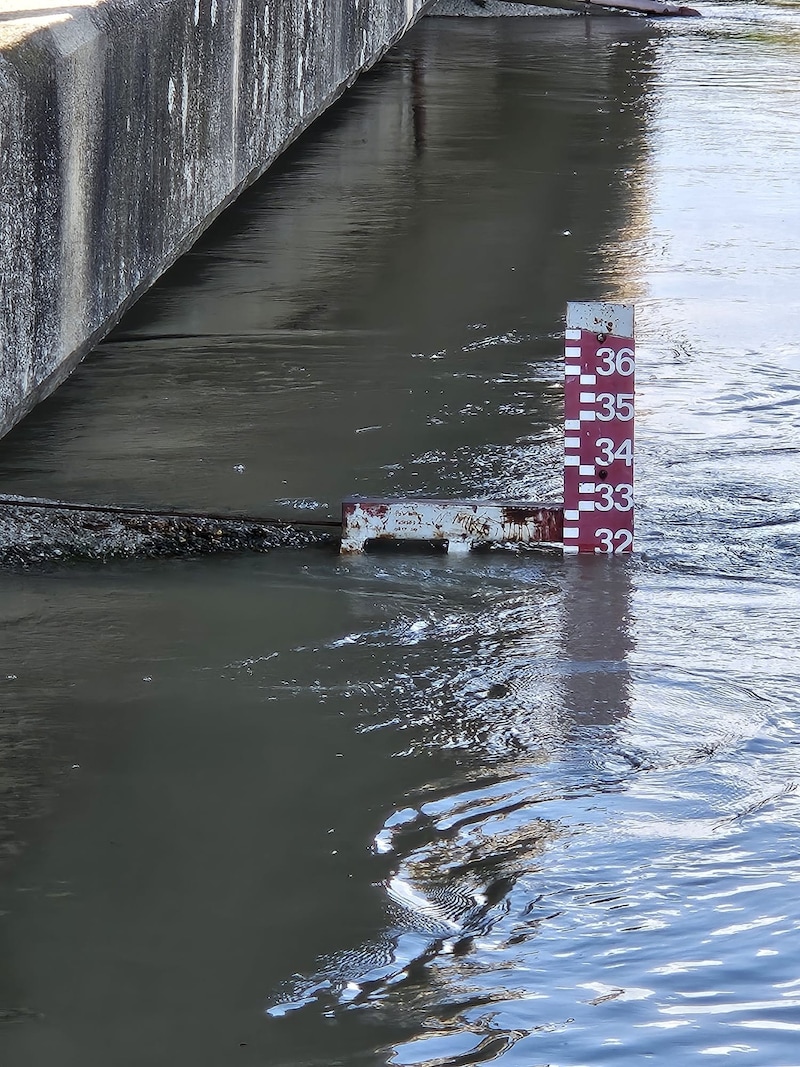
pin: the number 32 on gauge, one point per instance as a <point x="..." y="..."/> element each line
<point x="614" y="540"/>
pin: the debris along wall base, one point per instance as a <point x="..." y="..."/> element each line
<point x="596" y="516"/>
<point x="126" y="126"/>
<point x="493" y="8"/>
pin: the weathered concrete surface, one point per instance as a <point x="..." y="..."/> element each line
<point x="126" y="126"/>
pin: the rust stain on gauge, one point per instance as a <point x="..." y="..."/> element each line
<point x="526" y="523"/>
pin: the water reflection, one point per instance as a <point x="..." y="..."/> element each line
<point x="340" y="306"/>
<point x="532" y="683"/>
<point x="596" y="642"/>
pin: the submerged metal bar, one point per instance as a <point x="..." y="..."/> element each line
<point x="32" y="532"/>
<point x="160" y="513"/>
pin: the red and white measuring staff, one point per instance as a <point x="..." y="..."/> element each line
<point x="599" y="369"/>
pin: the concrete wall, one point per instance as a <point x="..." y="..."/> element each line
<point x="125" y="127"/>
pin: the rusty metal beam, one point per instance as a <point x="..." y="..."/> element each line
<point x="459" y="525"/>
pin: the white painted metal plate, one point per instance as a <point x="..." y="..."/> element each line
<point x="461" y="524"/>
<point x="600" y="317"/>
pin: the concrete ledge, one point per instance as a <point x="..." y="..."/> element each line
<point x="491" y="9"/>
<point x="126" y="126"/>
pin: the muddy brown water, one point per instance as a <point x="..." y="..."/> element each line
<point x="288" y="809"/>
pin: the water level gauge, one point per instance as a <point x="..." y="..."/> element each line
<point x="599" y="369"/>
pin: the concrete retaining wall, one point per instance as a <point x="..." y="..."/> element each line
<point x="125" y="127"/>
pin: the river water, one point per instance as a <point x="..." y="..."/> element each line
<point x="418" y="810"/>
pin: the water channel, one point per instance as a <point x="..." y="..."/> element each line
<point x="290" y="809"/>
